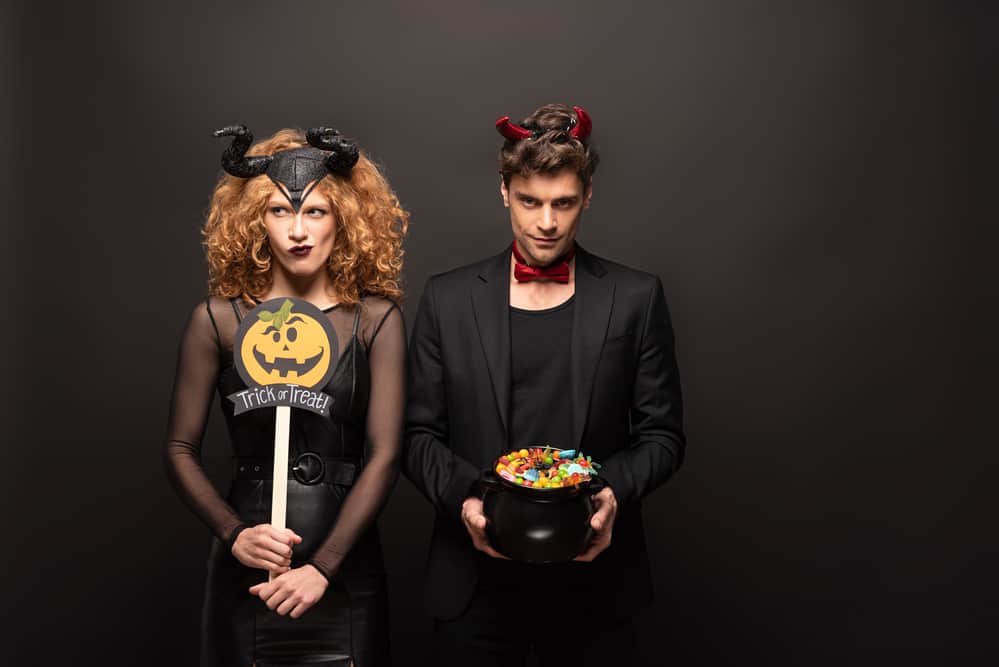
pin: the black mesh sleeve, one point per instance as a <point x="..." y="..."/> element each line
<point x="194" y="387"/>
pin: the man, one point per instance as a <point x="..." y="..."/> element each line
<point x="544" y="343"/>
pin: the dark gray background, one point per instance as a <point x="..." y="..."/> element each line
<point x="808" y="178"/>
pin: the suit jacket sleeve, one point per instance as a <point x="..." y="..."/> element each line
<point x="657" y="439"/>
<point x="443" y="477"/>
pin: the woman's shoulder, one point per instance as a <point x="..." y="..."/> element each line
<point x="220" y="308"/>
<point x="217" y="314"/>
<point x="376" y="307"/>
<point x="377" y="312"/>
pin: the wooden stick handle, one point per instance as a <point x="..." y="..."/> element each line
<point x="279" y="494"/>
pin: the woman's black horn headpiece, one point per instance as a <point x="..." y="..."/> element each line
<point x="296" y="170"/>
<point x="234" y="159"/>
<point x="343" y="154"/>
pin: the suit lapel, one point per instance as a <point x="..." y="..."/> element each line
<point x="491" y="305"/>
<point x="594" y="302"/>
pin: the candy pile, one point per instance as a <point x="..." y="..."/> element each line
<point x="546" y="468"/>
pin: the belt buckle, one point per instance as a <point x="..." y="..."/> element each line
<point x="309" y="468"/>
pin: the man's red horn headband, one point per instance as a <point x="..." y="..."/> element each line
<point x="577" y="130"/>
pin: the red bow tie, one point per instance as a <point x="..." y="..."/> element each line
<point x="557" y="271"/>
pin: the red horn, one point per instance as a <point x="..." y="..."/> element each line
<point x="511" y="131"/>
<point x="583" y="127"/>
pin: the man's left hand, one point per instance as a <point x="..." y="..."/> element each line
<point x="293" y="592"/>
<point x="602" y="523"/>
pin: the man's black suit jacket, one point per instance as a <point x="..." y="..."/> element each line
<point x="624" y="400"/>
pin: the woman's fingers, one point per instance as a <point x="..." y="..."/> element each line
<point x="282" y="535"/>
<point x="278" y="595"/>
<point x="270" y="557"/>
<point x="269" y="537"/>
<point x="265" y="547"/>
<point x="276" y="547"/>
<point x="300" y="609"/>
<point x="295" y="604"/>
<point x="289" y="603"/>
<point x="265" y="557"/>
<point x="281" y="597"/>
<point x="293" y="593"/>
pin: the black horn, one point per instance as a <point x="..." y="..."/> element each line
<point x="234" y="159"/>
<point x="343" y="153"/>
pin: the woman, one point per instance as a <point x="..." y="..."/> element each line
<point x="306" y="217"/>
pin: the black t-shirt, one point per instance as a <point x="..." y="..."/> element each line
<point x="540" y="406"/>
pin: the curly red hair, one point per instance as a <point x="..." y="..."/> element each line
<point x="367" y="251"/>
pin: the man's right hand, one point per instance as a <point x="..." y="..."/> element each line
<point x="475" y="523"/>
<point x="265" y="547"/>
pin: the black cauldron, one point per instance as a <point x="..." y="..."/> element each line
<point x="538" y="525"/>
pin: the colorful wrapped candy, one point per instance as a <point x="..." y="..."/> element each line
<point x="546" y="468"/>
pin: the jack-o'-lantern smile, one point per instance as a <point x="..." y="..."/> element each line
<point x="285" y="364"/>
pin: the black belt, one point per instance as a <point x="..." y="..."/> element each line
<point x="307" y="468"/>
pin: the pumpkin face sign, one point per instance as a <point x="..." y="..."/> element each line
<point x="286" y="341"/>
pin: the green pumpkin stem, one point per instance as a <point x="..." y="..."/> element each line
<point x="277" y="319"/>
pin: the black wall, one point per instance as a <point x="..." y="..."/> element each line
<point x="809" y="179"/>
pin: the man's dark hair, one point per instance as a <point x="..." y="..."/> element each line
<point x="550" y="149"/>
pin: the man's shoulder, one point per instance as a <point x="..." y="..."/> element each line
<point x="458" y="273"/>
<point x="622" y="274"/>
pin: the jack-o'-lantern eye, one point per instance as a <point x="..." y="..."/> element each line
<point x="292" y="334"/>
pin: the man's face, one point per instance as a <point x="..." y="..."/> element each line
<point x="544" y="211"/>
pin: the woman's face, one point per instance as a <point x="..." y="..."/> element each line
<point x="300" y="242"/>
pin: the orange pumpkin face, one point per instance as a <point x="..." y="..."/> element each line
<point x="294" y="344"/>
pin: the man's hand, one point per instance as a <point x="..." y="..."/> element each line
<point x="602" y="523"/>
<point x="475" y="523"/>
<point x="265" y="547"/>
<point x="293" y="592"/>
